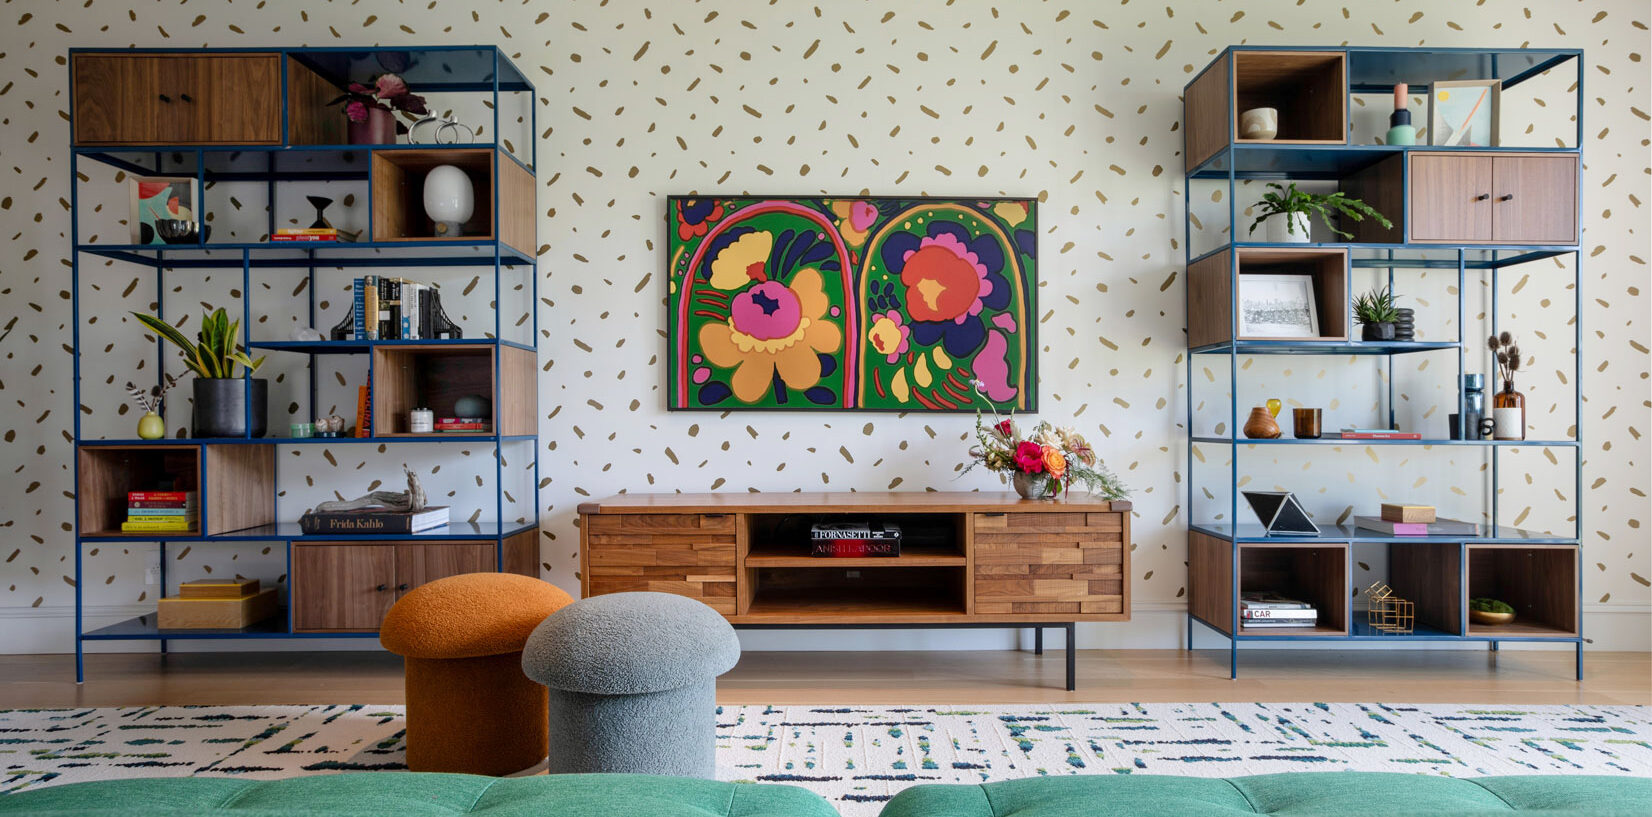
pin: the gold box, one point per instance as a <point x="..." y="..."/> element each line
<point x="1407" y="513"/>
<point x="217" y="588"/>
<point x="216" y="614"/>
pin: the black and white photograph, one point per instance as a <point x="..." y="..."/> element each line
<point x="1277" y="306"/>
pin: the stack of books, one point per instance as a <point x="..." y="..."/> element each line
<point x="1267" y="611"/>
<point x="312" y="234"/>
<point x="160" y="512"/>
<point x="464" y="425"/>
<point x="854" y="539"/>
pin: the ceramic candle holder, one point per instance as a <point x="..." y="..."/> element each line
<point x="1259" y="123"/>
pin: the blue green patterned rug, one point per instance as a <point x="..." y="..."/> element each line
<point x="859" y="756"/>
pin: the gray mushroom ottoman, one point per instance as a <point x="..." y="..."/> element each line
<point x="633" y="683"/>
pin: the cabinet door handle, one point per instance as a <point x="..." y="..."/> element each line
<point x="186" y="98"/>
<point x="165" y="98"/>
<point x="402" y="586"/>
<point x="1506" y="197"/>
<point x="999" y="513"/>
<point x="1482" y="197"/>
<point x="380" y="588"/>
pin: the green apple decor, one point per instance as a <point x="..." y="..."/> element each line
<point x="221" y="393"/>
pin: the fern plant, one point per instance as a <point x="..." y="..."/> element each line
<point x="1288" y="200"/>
<point x="215" y="352"/>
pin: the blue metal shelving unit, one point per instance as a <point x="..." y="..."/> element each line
<point x="467" y="69"/>
<point x="1371" y="70"/>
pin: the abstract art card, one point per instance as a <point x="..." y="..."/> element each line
<point x="154" y="199"/>
<point x="823" y="303"/>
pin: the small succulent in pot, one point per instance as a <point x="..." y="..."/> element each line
<point x="1375" y="313"/>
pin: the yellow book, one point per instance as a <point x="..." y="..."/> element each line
<point x="146" y="527"/>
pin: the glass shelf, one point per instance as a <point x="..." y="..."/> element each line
<point x="1254" y="160"/>
<point x="143" y="628"/>
<point x="1423" y="442"/>
<point x="291" y="532"/>
<point x="442" y="437"/>
<point x="1323" y="347"/>
<point x="271" y="254"/>
<point x="359" y="347"/>
<point x="1251" y="532"/>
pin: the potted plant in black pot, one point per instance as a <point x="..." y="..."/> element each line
<point x="1286" y="212"/>
<point x="1375" y="313"/>
<point x="220" y="393"/>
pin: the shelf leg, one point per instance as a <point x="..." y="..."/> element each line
<point x="1072" y="657"/>
<point x="1233" y="659"/>
<point x="1494" y="646"/>
<point x="1580" y="660"/>
<point x="1190" y="632"/>
<point x="1038" y="641"/>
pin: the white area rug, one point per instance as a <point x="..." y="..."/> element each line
<point x="858" y="757"/>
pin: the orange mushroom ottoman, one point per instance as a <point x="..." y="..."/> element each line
<point x="470" y="709"/>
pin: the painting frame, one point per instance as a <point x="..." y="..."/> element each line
<point x="1296" y="291"/>
<point x="1484" y="113"/>
<point x="142" y="210"/>
<point x="866" y="255"/>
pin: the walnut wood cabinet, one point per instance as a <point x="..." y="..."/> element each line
<point x="966" y="557"/>
<point x="1503" y="198"/>
<point x="348" y="586"/>
<point x="176" y="99"/>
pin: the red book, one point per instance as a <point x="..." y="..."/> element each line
<point x="1375" y="435"/>
<point x="854" y="548"/>
<point x="159" y="496"/>
<point x="301" y="238"/>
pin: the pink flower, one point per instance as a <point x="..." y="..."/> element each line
<point x="389" y="86"/>
<point x="356" y="110"/>
<point x="768" y="311"/>
<point x="1029" y="457"/>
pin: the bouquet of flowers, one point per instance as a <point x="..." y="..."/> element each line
<point x="1044" y="463"/>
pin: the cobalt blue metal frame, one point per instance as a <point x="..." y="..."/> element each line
<point x="501" y="77"/>
<point x="1373" y="70"/>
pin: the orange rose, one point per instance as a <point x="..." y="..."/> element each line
<point x="1054" y="462"/>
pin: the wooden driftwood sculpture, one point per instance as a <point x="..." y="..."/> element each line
<point x="412" y="499"/>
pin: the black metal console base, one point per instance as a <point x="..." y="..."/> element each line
<point x="1037" y="628"/>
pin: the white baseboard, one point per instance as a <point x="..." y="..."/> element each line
<point x="1153" y="626"/>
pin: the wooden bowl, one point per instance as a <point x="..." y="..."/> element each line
<point x="1483" y="617"/>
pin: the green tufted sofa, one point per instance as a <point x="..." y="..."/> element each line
<point x="1378" y="794"/>
<point x="403" y="794"/>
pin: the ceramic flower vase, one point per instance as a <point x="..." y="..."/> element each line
<point x="1261" y="425"/>
<point x="1288" y="228"/>
<point x="379" y="129"/>
<point x="1033" y="486"/>
<point x="151" y="426"/>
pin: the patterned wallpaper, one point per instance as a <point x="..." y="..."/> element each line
<point x="1073" y="102"/>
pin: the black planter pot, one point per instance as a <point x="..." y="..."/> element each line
<point x="1376" y="331"/>
<point x="221" y="408"/>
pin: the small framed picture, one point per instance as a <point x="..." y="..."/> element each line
<point x="1463" y="113"/>
<point x="1277" y="306"/>
<point x="155" y="199"/>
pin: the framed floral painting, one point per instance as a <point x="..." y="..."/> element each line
<point x="881" y="304"/>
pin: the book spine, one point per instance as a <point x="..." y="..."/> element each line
<point x="187" y="504"/>
<point x="370" y="302"/>
<point x="852" y="548"/>
<point x="424" y="313"/>
<point x="358" y="307"/>
<point x="364" y="405"/>
<point x="160" y="496"/>
<point x="1280" y="615"/>
<point x="282" y="238"/>
<point x="134" y="511"/>
<point x="1378" y="435"/>
<point x="356" y="523"/>
<point x="156" y="526"/>
<point x="185" y="521"/>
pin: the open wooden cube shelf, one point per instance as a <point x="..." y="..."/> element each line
<point x="435" y="377"/>
<point x="398" y="179"/>
<point x="1309" y="89"/>
<point x="1315" y="573"/>
<point x="1540" y="583"/>
<point x="1212" y="300"/>
<point x="234" y="482"/>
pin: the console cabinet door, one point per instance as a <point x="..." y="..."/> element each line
<point x="338" y="587"/>
<point x="1450" y="198"/>
<point x="1058" y="566"/>
<point x="686" y="554"/>
<point x="177" y="99"/>
<point x="1534" y="199"/>
<point x="419" y="564"/>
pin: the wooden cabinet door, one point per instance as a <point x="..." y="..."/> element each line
<point x="342" y="587"/>
<point x="686" y="554"/>
<point x="177" y="99"/>
<point x="114" y="98"/>
<point x="1053" y="566"/>
<point x="417" y="564"/>
<point x="1534" y="199"/>
<point x="237" y="99"/>
<point x="1450" y="198"/>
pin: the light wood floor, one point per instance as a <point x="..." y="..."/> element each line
<point x="1147" y="676"/>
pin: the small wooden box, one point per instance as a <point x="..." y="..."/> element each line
<point x="1407" y="513"/>
<point x="218" y="588"/>
<point x="216" y="614"/>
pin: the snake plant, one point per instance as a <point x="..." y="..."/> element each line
<point x="214" y="354"/>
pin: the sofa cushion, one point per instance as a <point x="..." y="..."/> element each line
<point x="1287" y="795"/>
<point x="407" y="794"/>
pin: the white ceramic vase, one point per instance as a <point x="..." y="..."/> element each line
<point x="1259" y="123"/>
<point x="449" y="199"/>
<point x="1298" y="233"/>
